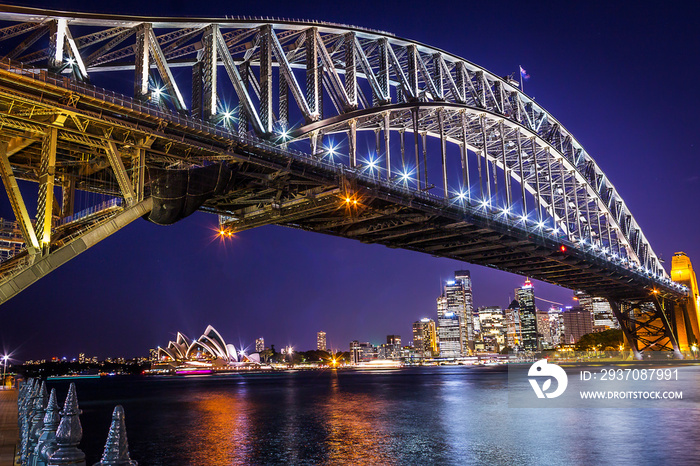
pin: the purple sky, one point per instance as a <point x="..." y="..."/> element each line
<point x="621" y="77"/>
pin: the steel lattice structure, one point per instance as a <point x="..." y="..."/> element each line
<point x="509" y="186"/>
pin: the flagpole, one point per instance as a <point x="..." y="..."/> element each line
<point x="522" y="88"/>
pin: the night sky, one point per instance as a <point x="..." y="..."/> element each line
<point x="621" y="76"/>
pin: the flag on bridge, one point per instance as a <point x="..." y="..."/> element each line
<point x="523" y="73"/>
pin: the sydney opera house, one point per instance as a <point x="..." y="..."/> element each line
<point x="207" y="353"/>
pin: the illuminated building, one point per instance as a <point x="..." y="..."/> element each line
<point x="457" y="294"/>
<point x="362" y="352"/>
<point x="528" y="319"/>
<point x="425" y="338"/>
<point x="492" y="328"/>
<point x="599" y="308"/>
<point x="513" y="329"/>
<point x="321" y="341"/>
<point x="544" y="331"/>
<point x="393" y="340"/>
<point x="260" y="345"/>
<point x="556" y="326"/>
<point x="449" y="334"/>
<point x="210" y="349"/>
<point x="577" y="323"/>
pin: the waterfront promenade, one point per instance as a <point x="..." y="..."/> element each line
<point x="9" y="432"/>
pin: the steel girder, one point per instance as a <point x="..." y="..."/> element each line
<point x="417" y="72"/>
<point x="414" y="88"/>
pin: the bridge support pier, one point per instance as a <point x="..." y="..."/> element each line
<point x="648" y="325"/>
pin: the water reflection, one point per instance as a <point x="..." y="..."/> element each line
<point x="222" y="433"/>
<point x="455" y="415"/>
<point x="356" y="426"/>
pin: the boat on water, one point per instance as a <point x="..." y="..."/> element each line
<point x="380" y="364"/>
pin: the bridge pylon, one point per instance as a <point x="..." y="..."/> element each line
<point x="688" y="311"/>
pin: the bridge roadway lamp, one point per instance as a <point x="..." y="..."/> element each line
<point x="4" y="370"/>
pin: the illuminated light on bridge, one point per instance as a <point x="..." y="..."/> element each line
<point x="297" y="87"/>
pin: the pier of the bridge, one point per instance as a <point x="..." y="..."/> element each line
<point x="462" y="163"/>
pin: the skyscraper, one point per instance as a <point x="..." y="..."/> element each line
<point x="599" y="308"/>
<point x="455" y="316"/>
<point x="492" y="329"/>
<point x="449" y="335"/>
<point x="425" y="338"/>
<point x="528" y="319"/>
<point x="513" y="329"/>
<point x="321" y="341"/>
<point x="260" y="345"/>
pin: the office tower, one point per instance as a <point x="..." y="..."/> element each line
<point x="599" y="308"/>
<point x="513" y="329"/>
<point x="449" y="330"/>
<point x="528" y="319"/>
<point x="577" y="323"/>
<point x="544" y="331"/>
<point x="492" y="327"/>
<point x="455" y="308"/>
<point x="321" y="341"/>
<point x="425" y="338"/>
<point x="260" y="345"/>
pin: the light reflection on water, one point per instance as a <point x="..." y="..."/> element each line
<point x="446" y="415"/>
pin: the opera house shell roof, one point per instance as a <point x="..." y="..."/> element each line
<point x="209" y="349"/>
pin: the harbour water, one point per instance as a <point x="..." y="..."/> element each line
<point x="426" y="415"/>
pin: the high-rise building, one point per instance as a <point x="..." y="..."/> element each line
<point x="493" y="331"/>
<point x="544" y="330"/>
<point x="456" y="308"/>
<point x="464" y="300"/>
<point x="321" y="341"/>
<point x="425" y="338"/>
<point x="260" y="345"/>
<point x="556" y="326"/>
<point x="577" y="323"/>
<point x="528" y="319"/>
<point x="449" y="335"/>
<point x="513" y="329"/>
<point x="599" y="308"/>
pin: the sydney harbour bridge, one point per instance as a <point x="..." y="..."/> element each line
<point x="323" y="127"/>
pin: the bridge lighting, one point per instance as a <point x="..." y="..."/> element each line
<point x="372" y="164"/>
<point x="562" y="248"/>
<point x="461" y="195"/>
<point x="540" y="225"/>
<point x="228" y="115"/>
<point x="157" y="92"/>
<point x="484" y="203"/>
<point x="523" y="218"/>
<point x="404" y="177"/>
<point x="555" y="231"/>
<point x="505" y="210"/>
<point x="70" y="61"/>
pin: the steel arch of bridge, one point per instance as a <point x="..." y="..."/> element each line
<point x="502" y="157"/>
<point x="449" y="97"/>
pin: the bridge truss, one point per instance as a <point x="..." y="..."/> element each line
<point x="327" y="128"/>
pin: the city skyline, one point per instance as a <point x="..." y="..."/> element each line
<point x="279" y="279"/>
